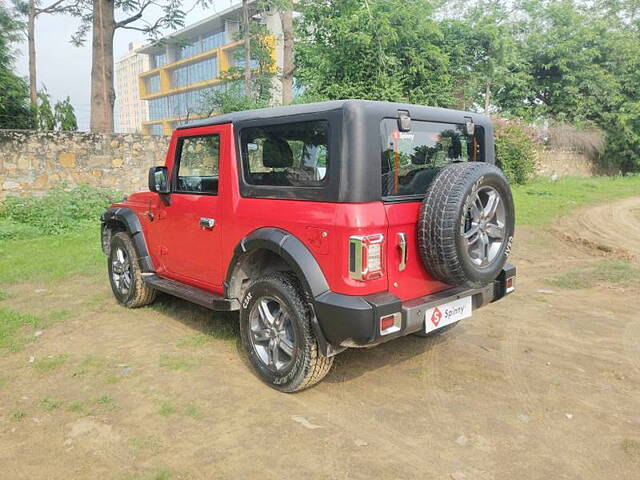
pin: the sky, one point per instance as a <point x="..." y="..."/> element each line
<point x="65" y="70"/>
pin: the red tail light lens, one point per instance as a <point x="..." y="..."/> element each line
<point x="366" y="256"/>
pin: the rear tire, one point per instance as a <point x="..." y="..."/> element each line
<point x="125" y="274"/>
<point x="277" y="335"/>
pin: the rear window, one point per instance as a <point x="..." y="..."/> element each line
<point x="410" y="160"/>
<point x="287" y="155"/>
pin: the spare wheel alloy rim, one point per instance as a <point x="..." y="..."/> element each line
<point x="484" y="228"/>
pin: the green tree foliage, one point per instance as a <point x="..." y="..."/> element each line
<point x="15" y="111"/>
<point x="60" y="117"/>
<point x="372" y="49"/>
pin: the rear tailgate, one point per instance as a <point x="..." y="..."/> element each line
<point x="412" y="281"/>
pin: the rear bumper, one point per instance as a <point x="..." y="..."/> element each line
<point x="349" y="321"/>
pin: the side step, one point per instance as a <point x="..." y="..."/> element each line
<point x="191" y="294"/>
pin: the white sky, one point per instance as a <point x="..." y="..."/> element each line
<point x="66" y="70"/>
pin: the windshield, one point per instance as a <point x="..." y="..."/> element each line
<point x="410" y="160"/>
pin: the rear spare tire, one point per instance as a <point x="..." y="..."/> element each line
<point x="465" y="225"/>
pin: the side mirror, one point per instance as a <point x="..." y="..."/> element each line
<point x="159" y="180"/>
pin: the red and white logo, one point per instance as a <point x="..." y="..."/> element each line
<point x="436" y="317"/>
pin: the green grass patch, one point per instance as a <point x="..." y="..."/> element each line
<point x="60" y="210"/>
<point x="193" y="411"/>
<point x="51" y="403"/>
<point x="17" y="415"/>
<point x="50" y="258"/>
<point x="167" y="408"/>
<point x="4" y="295"/>
<point x="630" y="446"/>
<point x="76" y="407"/>
<point x="148" y="444"/>
<point x="542" y="201"/>
<point x="49" y="364"/>
<point x="12" y="329"/>
<point x="607" y="271"/>
<point x="173" y="362"/>
<point x="194" y="341"/>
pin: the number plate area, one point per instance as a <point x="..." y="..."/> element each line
<point x="447" y="313"/>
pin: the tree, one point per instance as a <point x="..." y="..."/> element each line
<point x="99" y="16"/>
<point x="59" y="117"/>
<point x="372" y="49"/>
<point x="31" y="9"/>
<point x="286" y="19"/>
<point x="15" y="111"/>
<point x="246" y="37"/>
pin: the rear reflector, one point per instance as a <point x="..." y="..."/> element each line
<point x="510" y="284"/>
<point x="390" y="323"/>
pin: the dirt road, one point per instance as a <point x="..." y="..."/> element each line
<point x="545" y="384"/>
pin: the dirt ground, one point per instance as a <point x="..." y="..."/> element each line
<point x="545" y="384"/>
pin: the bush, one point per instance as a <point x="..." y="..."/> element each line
<point x="58" y="211"/>
<point x="515" y="151"/>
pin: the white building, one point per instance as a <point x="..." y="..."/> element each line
<point x="130" y="110"/>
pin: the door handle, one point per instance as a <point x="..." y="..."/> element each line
<point x="402" y="244"/>
<point x="207" y="223"/>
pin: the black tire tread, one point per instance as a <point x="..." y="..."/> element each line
<point x="315" y="365"/>
<point x="438" y="221"/>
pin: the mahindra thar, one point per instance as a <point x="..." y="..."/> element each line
<point x="326" y="226"/>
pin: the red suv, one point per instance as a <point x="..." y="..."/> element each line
<point x="327" y="226"/>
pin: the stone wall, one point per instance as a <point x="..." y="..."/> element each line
<point x="34" y="162"/>
<point x="564" y="163"/>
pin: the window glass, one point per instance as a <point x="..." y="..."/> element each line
<point x="198" y="167"/>
<point x="410" y="160"/>
<point x="153" y="84"/>
<point x="293" y="155"/>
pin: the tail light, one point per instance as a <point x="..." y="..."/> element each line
<point x="365" y="256"/>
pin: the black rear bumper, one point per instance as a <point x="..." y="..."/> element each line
<point x="352" y="321"/>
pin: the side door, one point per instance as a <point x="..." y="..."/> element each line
<point x="190" y="218"/>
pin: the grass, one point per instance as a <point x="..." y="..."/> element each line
<point x="51" y="403"/>
<point x="48" y="364"/>
<point x="194" y="341"/>
<point x="17" y="415"/>
<point x="193" y="411"/>
<point x="607" y="271"/>
<point x="150" y="444"/>
<point x="630" y="446"/>
<point x="76" y="407"/>
<point x="51" y="258"/>
<point x="540" y="202"/>
<point x="176" y="363"/>
<point x="12" y="329"/>
<point x="167" y="408"/>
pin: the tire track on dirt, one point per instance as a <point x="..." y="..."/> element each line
<point x="612" y="228"/>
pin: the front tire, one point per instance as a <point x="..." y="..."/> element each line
<point x="125" y="274"/>
<point x="277" y="335"/>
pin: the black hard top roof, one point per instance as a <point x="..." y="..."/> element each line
<point x="384" y="109"/>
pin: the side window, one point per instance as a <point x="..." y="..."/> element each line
<point x="288" y="155"/>
<point x="199" y="158"/>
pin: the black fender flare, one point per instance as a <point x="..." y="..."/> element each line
<point x="129" y="220"/>
<point x="301" y="261"/>
<point x="291" y="249"/>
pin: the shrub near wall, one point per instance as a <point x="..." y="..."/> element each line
<point x="35" y="162"/>
<point x="516" y="150"/>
